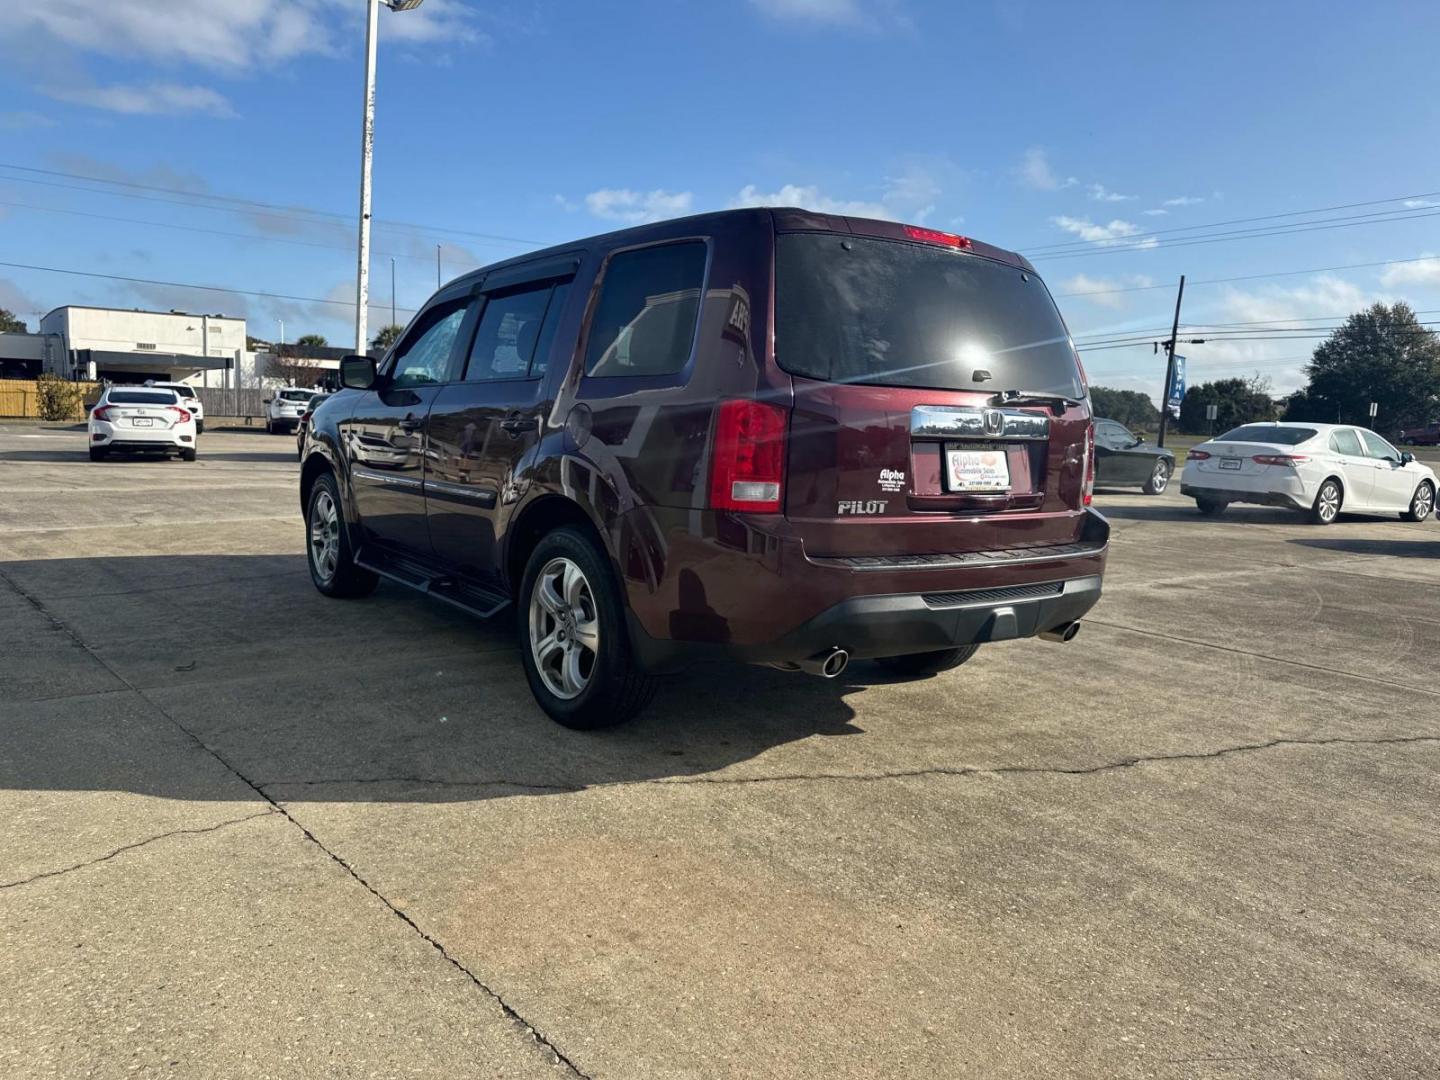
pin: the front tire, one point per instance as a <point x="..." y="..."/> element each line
<point x="327" y="545"/>
<point x="1159" y="479"/>
<point x="1211" y="507"/>
<point x="917" y="665"/>
<point x="1423" y="503"/>
<point x="1328" y="501"/>
<point x="573" y="637"/>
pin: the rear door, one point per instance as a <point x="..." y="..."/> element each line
<point x="903" y="353"/>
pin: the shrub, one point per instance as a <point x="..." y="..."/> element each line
<point x="59" y="399"/>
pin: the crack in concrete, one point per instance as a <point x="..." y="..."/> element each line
<point x="137" y="844"/>
<point x="558" y="1057"/>
<point x="897" y="774"/>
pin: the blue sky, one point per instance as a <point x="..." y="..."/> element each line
<point x="502" y="125"/>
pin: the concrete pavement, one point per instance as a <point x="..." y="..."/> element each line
<point x="247" y="831"/>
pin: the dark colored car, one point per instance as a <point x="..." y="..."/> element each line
<point x="770" y="436"/>
<point x="1424" y="435"/>
<point x="1123" y="459"/>
<point x="302" y="428"/>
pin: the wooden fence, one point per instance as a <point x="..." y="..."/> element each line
<point x="20" y="398"/>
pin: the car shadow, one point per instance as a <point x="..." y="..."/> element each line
<point x="80" y="453"/>
<point x="1186" y="512"/>
<point x="390" y="698"/>
<point x="1398" y="549"/>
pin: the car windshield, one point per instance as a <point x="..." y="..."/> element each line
<point x="891" y="313"/>
<point x="141" y="397"/>
<point x="179" y="388"/>
<point x="1268" y="433"/>
<point x="296" y="395"/>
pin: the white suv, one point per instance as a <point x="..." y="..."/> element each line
<point x="284" y="409"/>
<point x="189" y="399"/>
<point x="141" y="418"/>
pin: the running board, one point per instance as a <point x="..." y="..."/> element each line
<point x="479" y="600"/>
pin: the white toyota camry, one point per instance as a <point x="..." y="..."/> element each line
<point x="1322" y="469"/>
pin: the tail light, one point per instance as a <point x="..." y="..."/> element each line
<point x="1279" y="459"/>
<point x="1198" y="455"/>
<point x="182" y="416"/>
<point x="100" y="412"/>
<point x="1089" y="491"/>
<point x="748" y="460"/>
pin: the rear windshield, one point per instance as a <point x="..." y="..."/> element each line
<point x="849" y="309"/>
<point x="296" y="395"/>
<point x="142" y="397"/>
<point x="1268" y="433"/>
<point x="179" y="388"/>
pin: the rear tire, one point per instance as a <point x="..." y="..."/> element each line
<point x="1211" y="507"/>
<point x="1328" y="501"/>
<point x="187" y="455"/>
<point x="574" y="643"/>
<point x="1159" y="479"/>
<point x="199" y="427"/>
<point x="269" y="427"/>
<point x="98" y="453"/>
<point x="916" y="665"/>
<point x="1422" y="505"/>
<point x="327" y="545"/>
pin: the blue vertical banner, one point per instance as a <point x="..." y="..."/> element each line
<point x="1177" y="388"/>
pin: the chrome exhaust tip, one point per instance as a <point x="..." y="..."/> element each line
<point x="1063" y="632"/>
<point x="826" y="664"/>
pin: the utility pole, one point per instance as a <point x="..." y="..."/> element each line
<point x="438" y="282"/>
<point x="392" y="290"/>
<point x="1170" y="367"/>
<point x="367" y="156"/>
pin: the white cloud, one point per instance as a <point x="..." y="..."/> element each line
<point x="1418" y="204"/>
<point x="151" y="99"/>
<point x="1184" y="200"/>
<point x="24" y="120"/>
<point x="1100" y="193"/>
<point x="810" y="197"/>
<point x="1156" y="212"/>
<point x="1035" y="172"/>
<point x="1107" y="292"/>
<point x="634" y="207"/>
<point x="1106" y="235"/>
<point x="1424" y="272"/>
<point x="870" y="14"/>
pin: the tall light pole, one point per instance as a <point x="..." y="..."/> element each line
<point x="367" y="155"/>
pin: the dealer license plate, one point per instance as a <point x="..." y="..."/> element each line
<point x="977" y="470"/>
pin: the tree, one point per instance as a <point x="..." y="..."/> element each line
<point x="1237" y="401"/>
<point x="386" y="337"/>
<point x="1382" y="355"/>
<point x="315" y="341"/>
<point x="1129" y="407"/>
<point x="10" y="323"/>
<point x="59" y="399"/>
<point x="295" y="370"/>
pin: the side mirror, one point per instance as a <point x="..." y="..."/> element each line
<point x="357" y="372"/>
<point x="267" y="401"/>
<point x="1406" y="458"/>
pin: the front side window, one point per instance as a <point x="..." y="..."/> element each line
<point x="644" y="322"/>
<point x="1346" y="442"/>
<point x="1376" y="447"/>
<point x="427" y="357"/>
<point x="1116" y="437"/>
<point x="505" y="340"/>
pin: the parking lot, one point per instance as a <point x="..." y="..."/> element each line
<point x="247" y="831"/>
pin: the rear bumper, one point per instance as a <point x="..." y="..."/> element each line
<point x="110" y="437"/>
<point x="1292" y="498"/>
<point x="869" y="606"/>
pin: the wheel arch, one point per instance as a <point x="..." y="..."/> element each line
<point x="541" y="515"/>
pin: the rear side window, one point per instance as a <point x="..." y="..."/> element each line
<point x="1268" y="433"/>
<point x="142" y="397"/>
<point x="1346" y="442"/>
<point x="505" y="340"/>
<point x="644" y="321"/>
<point x="890" y="313"/>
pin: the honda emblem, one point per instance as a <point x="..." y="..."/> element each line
<point x="994" y="422"/>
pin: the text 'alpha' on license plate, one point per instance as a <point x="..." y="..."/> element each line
<point x="977" y="470"/>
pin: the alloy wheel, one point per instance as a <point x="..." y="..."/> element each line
<point x="1161" y="477"/>
<point x="324" y="535"/>
<point x="1424" y="504"/>
<point x="1329" y="502"/>
<point x="564" y="628"/>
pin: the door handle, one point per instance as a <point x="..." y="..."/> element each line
<point x="516" y="424"/>
<point x="410" y="423"/>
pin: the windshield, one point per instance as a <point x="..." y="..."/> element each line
<point x="849" y="309"/>
<point x="1268" y="433"/>
<point x="141" y="397"/>
<point x="296" y="395"/>
<point x="179" y="388"/>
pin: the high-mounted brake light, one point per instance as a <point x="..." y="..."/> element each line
<point x="1198" y="455"/>
<point x="935" y="236"/>
<point x="1279" y="459"/>
<point x="747" y="462"/>
<point x="1089" y="491"/>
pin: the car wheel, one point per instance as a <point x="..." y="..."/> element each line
<point x="97" y="453"/>
<point x="269" y="427"/>
<point x="327" y="545"/>
<point x="1211" y="507"/>
<point x="199" y="427"/>
<point x="1328" y="501"/>
<point x="573" y="639"/>
<point x="1159" y="478"/>
<point x="1423" y="504"/>
<point x="927" y="663"/>
<point x="187" y="455"/>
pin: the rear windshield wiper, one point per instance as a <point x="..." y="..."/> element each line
<point x="1035" y="397"/>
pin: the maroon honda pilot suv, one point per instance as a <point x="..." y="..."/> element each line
<point x="763" y="435"/>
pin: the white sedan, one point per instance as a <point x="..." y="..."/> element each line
<point x="141" y="418"/>
<point x="1321" y="469"/>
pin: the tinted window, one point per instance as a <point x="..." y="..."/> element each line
<point x="179" y="388"/>
<point x="1377" y="447"/>
<point x="1113" y="435"/>
<point x="426" y="356"/>
<point x="541" y="360"/>
<point x="505" y="340"/>
<point x="644" y="322"/>
<point x="1268" y="433"/>
<point x="141" y="397"/>
<point x="858" y="310"/>
<point x="296" y="395"/>
<point x="1346" y="442"/>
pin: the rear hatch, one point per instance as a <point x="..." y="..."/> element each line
<point x="938" y="403"/>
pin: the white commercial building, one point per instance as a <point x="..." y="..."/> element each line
<point x="132" y="346"/>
